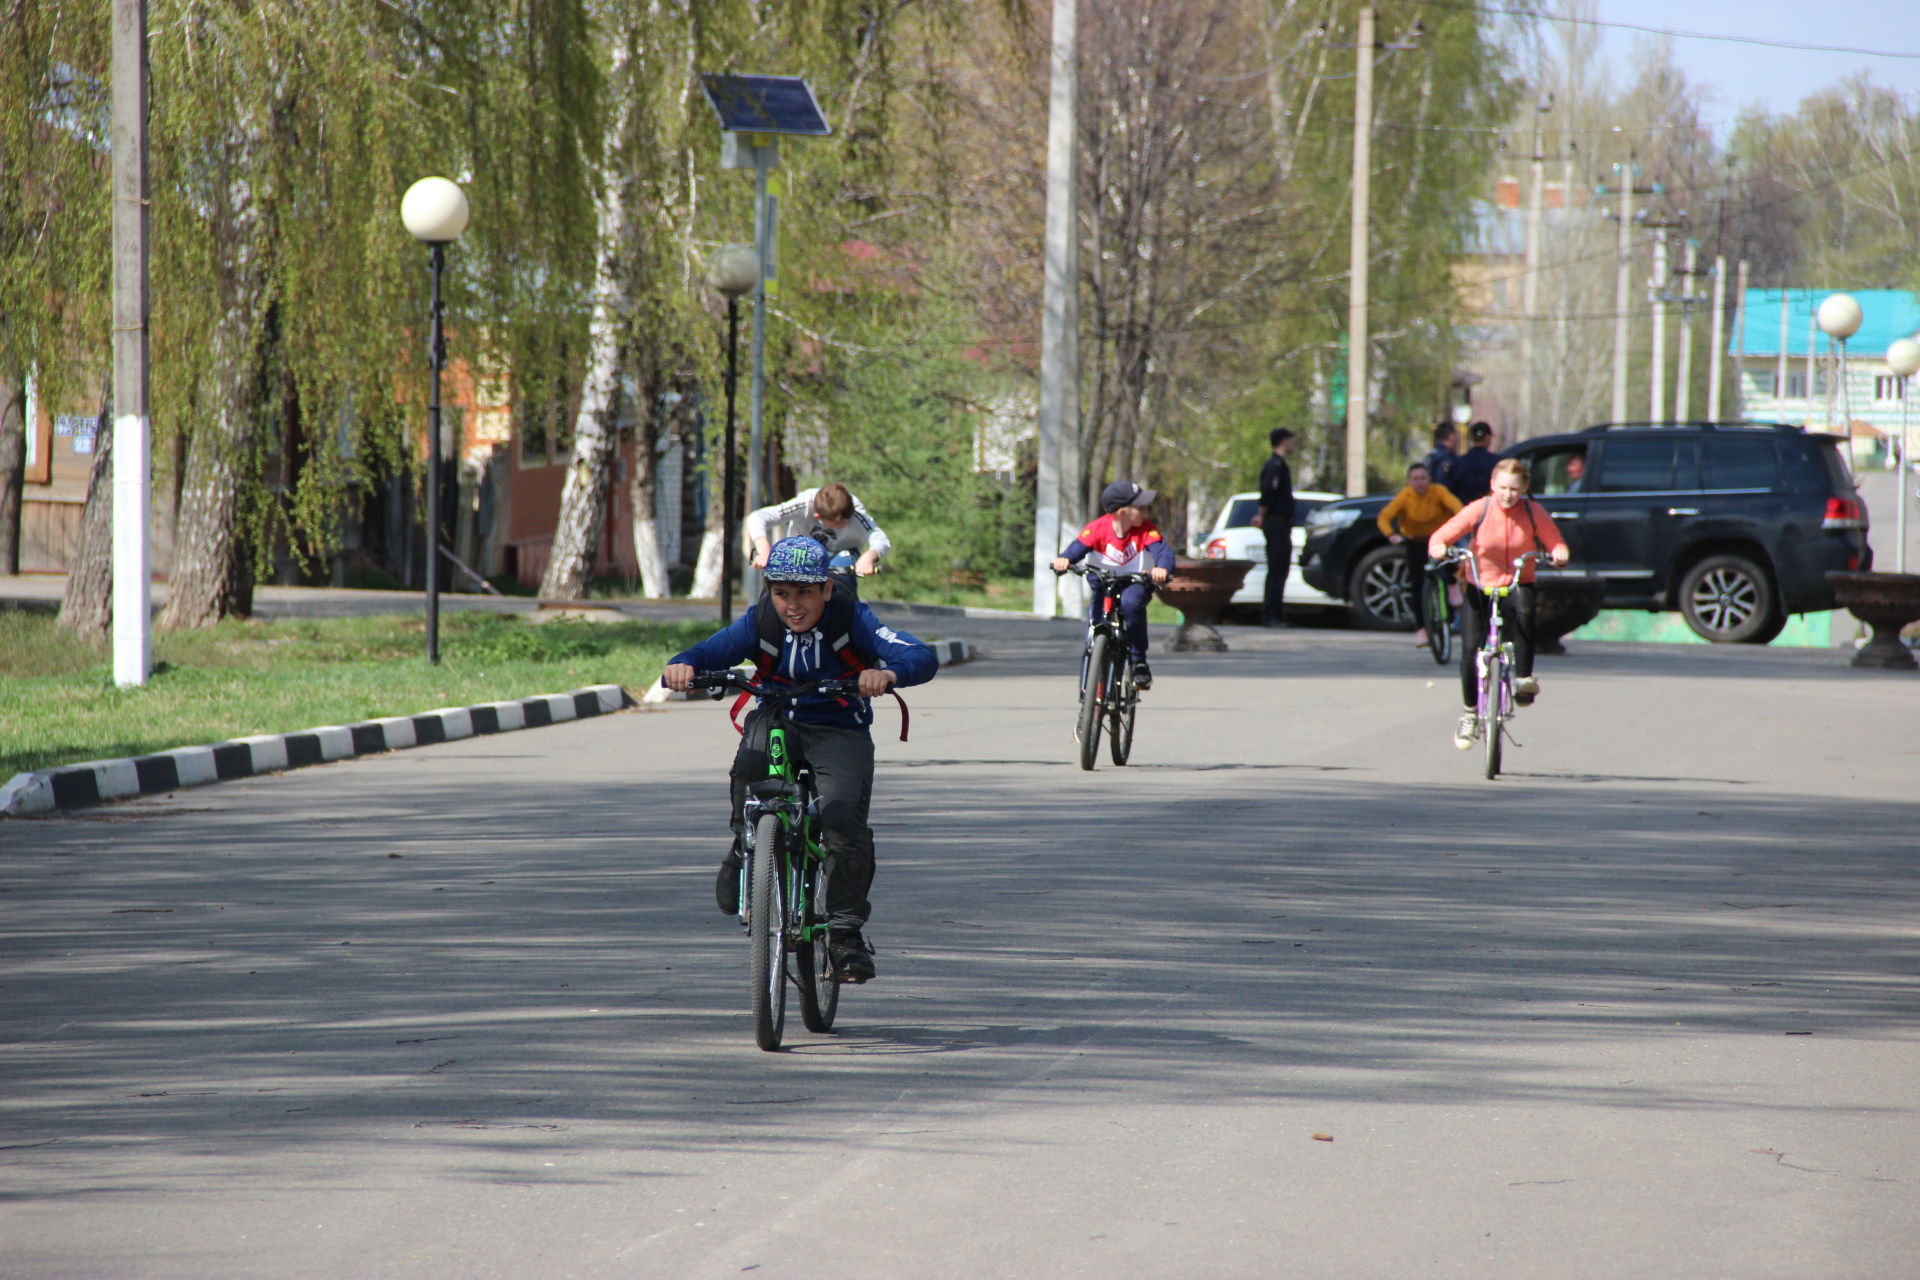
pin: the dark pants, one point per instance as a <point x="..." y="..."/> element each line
<point x="1516" y="626"/>
<point x="1133" y="617"/>
<point x="842" y="762"/>
<point x="1417" y="579"/>
<point x="1279" y="565"/>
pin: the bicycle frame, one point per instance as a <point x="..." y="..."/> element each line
<point x="1494" y="703"/>
<point x="788" y="795"/>
<point x="1107" y="695"/>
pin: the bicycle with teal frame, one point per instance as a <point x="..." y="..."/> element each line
<point x="1494" y="705"/>
<point x="783" y="876"/>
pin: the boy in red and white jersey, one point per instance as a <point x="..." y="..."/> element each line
<point x="1126" y="540"/>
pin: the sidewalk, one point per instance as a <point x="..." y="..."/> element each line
<point x="93" y="781"/>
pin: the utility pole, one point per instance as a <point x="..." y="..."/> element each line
<point x="1530" y="282"/>
<point x="1359" y="245"/>
<point x="1657" y="295"/>
<point x="1058" y="472"/>
<point x="132" y="429"/>
<point x="1740" y="336"/>
<point x="1717" y="334"/>
<point x="1623" y="277"/>
<point x="1358" y="251"/>
<point x="1683" y="370"/>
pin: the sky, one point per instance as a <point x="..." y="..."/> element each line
<point x="1739" y="73"/>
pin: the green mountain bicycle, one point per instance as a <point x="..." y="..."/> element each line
<point x="783" y="877"/>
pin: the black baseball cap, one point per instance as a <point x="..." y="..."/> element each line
<point x="1125" y="493"/>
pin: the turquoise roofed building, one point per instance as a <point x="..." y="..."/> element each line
<point x="1786" y="369"/>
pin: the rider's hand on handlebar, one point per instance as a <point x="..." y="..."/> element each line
<point x="678" y="677"/>
<point x="1157" y="574"/>
<point x="1559" y="556"/>
<point x="1060" y="564"/>
<point x="867" y="565"/>
<point x="875" y="681"/>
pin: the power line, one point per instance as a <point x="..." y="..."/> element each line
<point x="1677" y="34"/>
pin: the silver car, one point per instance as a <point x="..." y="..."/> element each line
<point x="1234" y="537"/>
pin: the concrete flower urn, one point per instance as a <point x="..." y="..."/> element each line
<point x="1200" y="589"/>
<point x="1564" y="602"/>
<point x="1887" y="602"/>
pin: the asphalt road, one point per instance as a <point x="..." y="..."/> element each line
<point x="1296" y="994"/>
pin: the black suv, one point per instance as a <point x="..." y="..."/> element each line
<point x="1734" y="524"/>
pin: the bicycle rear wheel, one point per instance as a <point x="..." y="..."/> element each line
<point x="1439" y="624"/>
<point x="1492" y="713"/>
<point x="812" y="966"/>
<point x="765" y="930"/>
<point x="1122" y="702"/>
<point x="1092" y="696"/>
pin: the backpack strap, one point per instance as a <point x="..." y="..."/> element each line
<point x="838" y="624"/>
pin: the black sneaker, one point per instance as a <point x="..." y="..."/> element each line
<point x="851" y="956"/>
<point x="726" y="885"/>
<point x="1142" y="675"/>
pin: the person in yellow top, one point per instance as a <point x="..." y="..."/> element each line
<point x="1415" y="512"/>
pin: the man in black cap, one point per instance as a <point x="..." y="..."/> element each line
<point x="1473" y="473"/>
<point x="1125" y="539"/>
<point x="1275" y="520"/>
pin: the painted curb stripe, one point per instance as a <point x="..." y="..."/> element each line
<point x="79" y="785"/>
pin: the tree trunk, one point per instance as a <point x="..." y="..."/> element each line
<point x="212" y="574"/>
<point x="583" y="502"/>
<point x="88" y="607"/>
<point x="13" y="468"/>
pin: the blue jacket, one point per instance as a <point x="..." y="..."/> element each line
<point x="806" y="656"/>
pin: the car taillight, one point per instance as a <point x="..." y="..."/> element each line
<point x="1845" y="513"/>
<point x="1216" y="550"/>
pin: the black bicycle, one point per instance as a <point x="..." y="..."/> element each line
<point x="1108" y="695"/>
<point x="1439" y="611"/>
<point x="783" y="876"/>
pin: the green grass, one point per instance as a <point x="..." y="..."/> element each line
<point x="58" y="702"/>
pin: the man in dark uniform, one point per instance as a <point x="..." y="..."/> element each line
<point x="1275" y="520"/>
<point x="1473" y="473"/>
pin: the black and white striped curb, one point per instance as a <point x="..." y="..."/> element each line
<point x="74" y="786"/>
<point x="946" y="652"/>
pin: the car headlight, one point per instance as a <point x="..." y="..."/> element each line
<point x="1332" y="517"/>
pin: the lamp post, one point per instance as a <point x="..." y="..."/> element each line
<point x="435" y="211"/>
<point x="1903" y="357"/>
<point x="734" y="269"/>
<point x="1839" y="318"/>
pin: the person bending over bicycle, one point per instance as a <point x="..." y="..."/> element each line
<point x="798" y="632"/>
<point x="1125" y="540"/>
<point x="1498" y="530"/>
<point x="829" y="514"/>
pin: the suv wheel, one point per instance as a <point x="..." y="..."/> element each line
<point x="1729" y="600"/>
<point x="1380" y="595"/>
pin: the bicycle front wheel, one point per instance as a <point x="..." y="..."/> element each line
<point x="1493" y="711"/>
<point x="812" y="966"/>
<point x="766" y="921"/>
<point x="1093" y="695"/>
<point x="1439" y="624"/>
<point x="1122" y="702"/>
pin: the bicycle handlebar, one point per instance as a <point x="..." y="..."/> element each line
<point x="716" y="683"/>
<point x="1109" y="575"/>
<point x="1460" y="555"/>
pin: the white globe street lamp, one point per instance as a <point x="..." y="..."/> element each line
<point x="1839" y="318"/>
<point x="1903" y="357"/>
<point x="732" y="271"/>
<point x="435" y="212"/>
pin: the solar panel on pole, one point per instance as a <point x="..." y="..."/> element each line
<point x="765" y="104"/>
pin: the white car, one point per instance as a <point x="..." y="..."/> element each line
<point x="1233" y="537"/>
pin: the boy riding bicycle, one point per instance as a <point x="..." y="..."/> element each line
<point x="798" y="633"/>
<point x="1125" y="539"/>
